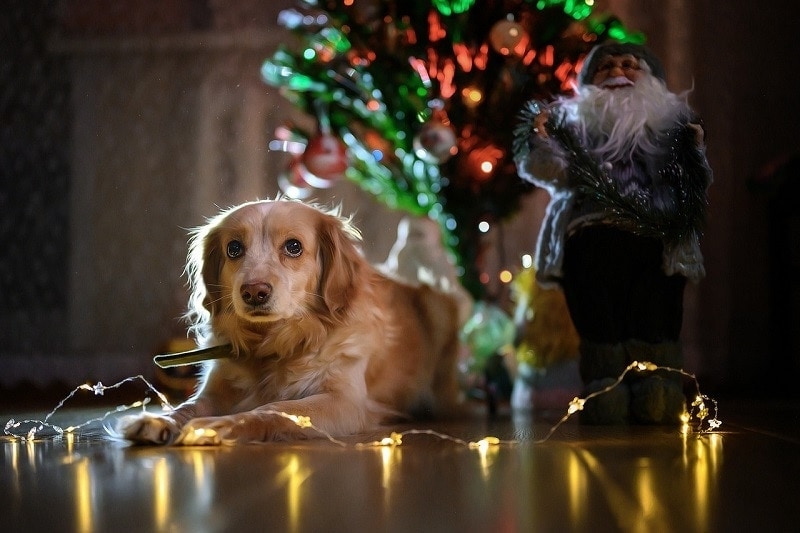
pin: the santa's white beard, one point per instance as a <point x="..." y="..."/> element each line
<point x="626" y="120"/>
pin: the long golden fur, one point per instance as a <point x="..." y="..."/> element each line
<point x="315" y="331"/>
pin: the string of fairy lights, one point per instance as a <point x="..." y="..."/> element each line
<point x="700" y="416"/>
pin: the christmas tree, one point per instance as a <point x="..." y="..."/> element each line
<point x="416" y="101"/>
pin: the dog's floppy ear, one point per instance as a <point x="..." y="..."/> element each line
<point x="212" y="266"/>
<point x="203" y="266"/>
<point x="340" y="262"/>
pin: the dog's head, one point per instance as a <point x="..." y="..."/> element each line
<point x="270" y="261"/>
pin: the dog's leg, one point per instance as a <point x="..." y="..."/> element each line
<point x="285" y="420"/>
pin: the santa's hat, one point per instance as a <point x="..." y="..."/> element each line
<point x="600" y="51"/>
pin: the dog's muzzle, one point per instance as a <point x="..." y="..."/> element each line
<point x="256" y="294"/>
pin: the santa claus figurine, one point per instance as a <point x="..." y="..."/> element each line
<point x="624" y="162"/>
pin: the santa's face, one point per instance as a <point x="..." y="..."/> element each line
<point x="618" y="115"/>
<point x="618" y="71"/>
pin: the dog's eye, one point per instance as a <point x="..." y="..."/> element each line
<point x="293" y="248"/>
<point x="235" y="249"/>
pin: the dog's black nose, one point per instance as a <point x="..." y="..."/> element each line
<point x="255" y="293"/>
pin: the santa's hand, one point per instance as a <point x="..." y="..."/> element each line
<point x="539" y="124"/>
<point x="699" y="134"/>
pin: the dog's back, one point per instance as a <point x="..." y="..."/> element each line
<point x="417" y="374"/>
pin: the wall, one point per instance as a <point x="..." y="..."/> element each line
<point x="738" y="57"/>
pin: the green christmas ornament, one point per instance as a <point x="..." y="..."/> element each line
<point x="280" y="75"/>
<point x="487" y="331"/>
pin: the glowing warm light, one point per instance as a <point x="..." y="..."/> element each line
<point x="463" y="56"/>
<point x="685" y="419"/>
<point x="482" y="57"/>
<point x="701" y="482"/>
<point x="199" y="435"/>
<point x="506" y="276"/>
<point x="529" y="57"/>
<point x="161" y="495"/>
<point x="487" y="449"/>
<point x="411" y="35"/>
<point x="715" y="450"/>
<point x="83" y="497"/>
<point x="701" y="456"/>
<point x="446" y="75"/>
<point x="294" y="475"/>
<point x="566" y="73"/>
<point x="15" y="457"/>
<point x="701" y="408"/>
<point x="29" y="449"/>
<point x="302" y="421"/>
<point x="548" y="57"/>
<point x="389" y="456"/>
<point x="645" y="366"/>
<point x="69" y="437"/>
<point x="484" y="158"/>
<point x="527" y="261"/>
<point x="650" y="508"/>
<point x="484" y="443"/>
<point x="199" y="463"/>
<point x="435" y="29"/>
<point x="576" y="405"/>
<point x="576" y="483"/>
<point x="396" y="439"/>
<point x="472" y="96"/>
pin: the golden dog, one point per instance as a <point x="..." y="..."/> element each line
<point x="314" y="331"/>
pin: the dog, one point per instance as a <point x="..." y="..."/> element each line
<point x="315" y="332"/>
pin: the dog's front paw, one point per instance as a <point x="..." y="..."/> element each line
<point x="147" y="428"/>
<point x="211" y="431"/>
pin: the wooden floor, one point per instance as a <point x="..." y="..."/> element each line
<point x="745" y="477"/>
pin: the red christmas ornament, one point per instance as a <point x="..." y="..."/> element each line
<point x="508" y="37"/>
<point x="291" y="181"/>
<point x="436" y="142"/>
<point x="326" y="158"/>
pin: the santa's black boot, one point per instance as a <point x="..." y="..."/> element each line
<point x="656" y="396"/>
<point x="600" y="366"/>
